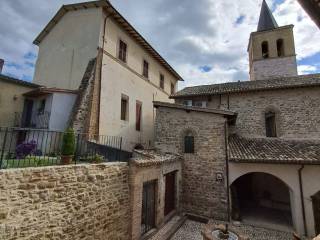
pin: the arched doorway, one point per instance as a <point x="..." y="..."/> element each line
<point x="316" y="211"/>
<point x="261" y="199"/>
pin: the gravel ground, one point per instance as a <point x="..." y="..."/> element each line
<point x="191" y="231"/>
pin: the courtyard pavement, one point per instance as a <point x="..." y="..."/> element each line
<point x="191" y="230"/>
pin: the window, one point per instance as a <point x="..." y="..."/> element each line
<point x="122" y="55"/>
<point x="189" y="143"/>
<point x="124" y="108"/>
<point x="161" y="81"/>
<point x="138" y="115"/>
<point x="42" y="106"/>
<point x="280" y="47"/>
<point x="187" y="103"/>
<point x="265" y="49"/>
<point x="172" y="88"/>
<point x="270" y="118"/>
<point x="145" y="71"/>
<point x="200" y="104"/>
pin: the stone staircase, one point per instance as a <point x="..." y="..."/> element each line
<point x="169" y="229"/>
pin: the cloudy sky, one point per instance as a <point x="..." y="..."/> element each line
<point x="204" y="40"/>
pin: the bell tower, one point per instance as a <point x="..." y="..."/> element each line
<point x="271" y="48"/>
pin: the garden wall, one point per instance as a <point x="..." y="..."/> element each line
<point x="65" y="202"/>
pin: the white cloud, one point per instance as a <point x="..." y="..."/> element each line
<point x="189" y="34"/>
<point x="306" y="69"/>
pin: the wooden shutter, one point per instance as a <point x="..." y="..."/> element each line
<point x="123" y="109"/>
<point x="138" y="116"/>
<point x="145" y="68"/>
<point x="122" y="51"/>
<point x="189" y="144"/>
<point x="161" y="81"/>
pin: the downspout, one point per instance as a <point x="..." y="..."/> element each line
<point x="100" y="72"/>
<point x="227" y="167"/>
<point x="302" y="200"/>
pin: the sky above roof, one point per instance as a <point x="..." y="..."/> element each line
<point x="204" y="40"/>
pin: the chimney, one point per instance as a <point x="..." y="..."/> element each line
<point x="1" y="65"/>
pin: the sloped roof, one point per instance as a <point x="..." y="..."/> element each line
<point x="192" y="108"/>
<point x="44" y="90"/>
<point x="146" y="158"/>
<point x="117" y="17"/>
<point x="249" y="86"/>
<point x="266" y="19"/>
<point x="273" y="150"/>
<point x="17" y="81"/>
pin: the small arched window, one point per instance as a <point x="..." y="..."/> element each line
<point x="280" y="47"/>
<point x="189" y="143"/>
<point x="270" y="119"/>
<point x="265" y="49"/>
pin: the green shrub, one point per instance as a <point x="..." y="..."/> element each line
<point x="68" y="143"/>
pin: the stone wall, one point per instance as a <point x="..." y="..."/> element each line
<point x="274" y="67"/>
<point x="297" y="111"/>
<point x="65" y="202"/>
<point x="202" y="194"/>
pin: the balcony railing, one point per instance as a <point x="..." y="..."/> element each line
<point x="34" y="119"/>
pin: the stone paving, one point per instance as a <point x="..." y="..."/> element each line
<point x="190" y="230"/>
<point x="163" y="231"/>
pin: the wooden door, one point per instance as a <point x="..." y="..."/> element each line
<point x="316" y="211"/>
<point x="148" y="207"/>
<point x="170" y="193"/>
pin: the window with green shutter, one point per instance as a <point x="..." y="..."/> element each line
<point x="189" y="144"/>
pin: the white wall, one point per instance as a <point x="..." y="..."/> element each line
<point x="61" y="108"/>
<point x="65" y="52"/>
<point x="289" y="175"/>
<point x="125" y="78"/>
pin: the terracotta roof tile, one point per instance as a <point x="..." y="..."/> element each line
<point x="145" y="158"/>
<point x="273" y="150"/>
<point x="17" y="81"/>
<point x="247" y="86"/>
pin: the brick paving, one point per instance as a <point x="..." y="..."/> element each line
<point x="190" y="230"/>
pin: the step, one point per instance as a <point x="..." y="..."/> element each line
<point x="169" y="229"/>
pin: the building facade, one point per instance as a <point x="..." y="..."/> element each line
<point x="128" y="74"/>
<point x="12" y="100"/>
<point x="272" y="162"/>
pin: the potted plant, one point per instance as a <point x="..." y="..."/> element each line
<point x="68" y="146"/>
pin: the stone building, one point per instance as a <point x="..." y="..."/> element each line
<point x="12" y="99"/>
<point x="251" y="149"/>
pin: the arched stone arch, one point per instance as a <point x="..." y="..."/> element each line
<point x="262" y="197"/>
<point x="272" y="173"/>
<point x="262" y="172"/>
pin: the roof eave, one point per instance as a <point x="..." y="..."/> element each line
<point x="196" y="109"/>
<point x="116" y="15"/>
<point x="274" y="161"/>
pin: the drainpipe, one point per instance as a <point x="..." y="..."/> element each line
<point x="227" y="166"/>
<point x="302" y="200"/>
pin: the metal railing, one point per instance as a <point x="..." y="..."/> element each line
<point x="26" y="147"/>
<point x="34" y="119"/>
